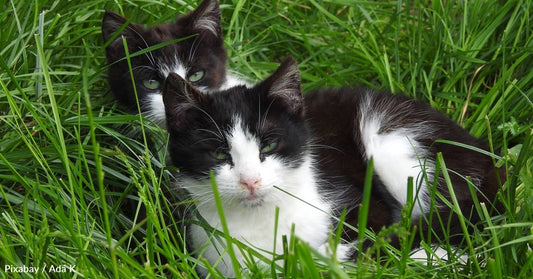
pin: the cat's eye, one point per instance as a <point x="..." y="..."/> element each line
<point x="269" y="147"/>
<point x="151" y="84"/>
<point x="219" y="155"/>
<point x="196" y="76"/>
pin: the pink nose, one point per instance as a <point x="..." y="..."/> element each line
<point x="250" y="183"/>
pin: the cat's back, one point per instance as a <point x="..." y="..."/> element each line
<point x="359" y="112"/>
<point x="361" y="103"/>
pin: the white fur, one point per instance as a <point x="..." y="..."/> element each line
<point x="253" y="221"/>
<point x="178" y="67"/>
<point x="438" y="254"/>
<point x="343" y="251"/>
<point x="396" y="156"/>
<point x="156" y="111"/>
<point x="232" y="81"/>
<point x="156" y="107"/>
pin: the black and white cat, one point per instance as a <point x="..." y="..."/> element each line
<point x="200" y="58"/>
<point x="267" y="141"/>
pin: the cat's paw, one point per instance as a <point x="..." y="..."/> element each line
<point x="343" y="251"/>
<point x="437" y="254"/>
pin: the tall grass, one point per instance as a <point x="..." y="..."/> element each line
<point x="78" y="189"/>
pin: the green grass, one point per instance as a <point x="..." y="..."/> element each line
<point x="74" y="179"/>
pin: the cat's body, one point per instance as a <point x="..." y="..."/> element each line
<point x="197" y="55"/>
<point x="268" y="147"/>
<point x="402" y="136"/>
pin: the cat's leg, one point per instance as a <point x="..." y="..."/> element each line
<point x="397" y="156"/>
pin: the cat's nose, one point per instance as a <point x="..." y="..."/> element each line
<point x="250" y="183"/>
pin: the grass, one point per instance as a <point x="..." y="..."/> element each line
<point x="74" y="181"/>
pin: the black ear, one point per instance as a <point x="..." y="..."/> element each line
<point x="206" y="18"/>
<point x="179" y="97"/>
<point x="284" y="87"/>
<point x="111" y="23"/>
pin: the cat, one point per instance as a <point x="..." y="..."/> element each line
<point x="199" y="58"/>
<point x="268" y="147"/>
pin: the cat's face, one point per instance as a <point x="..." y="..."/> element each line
<point x="199" y="59"/>
<point x="252" y="139"/>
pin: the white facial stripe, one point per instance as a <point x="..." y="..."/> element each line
<point x="244" y="151"/>
<point x="177" y="67"/>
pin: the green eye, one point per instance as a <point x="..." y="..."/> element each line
<point x="270" y="147"/>
<point x="151" y="84"/>
<point x="196" y="76"/>
<point x="219" y="155"/>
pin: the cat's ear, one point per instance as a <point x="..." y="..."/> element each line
<point x="112" y="23"/>
<point x="284" y="87"/>
<point x="179" y="97"/>
<point x="206" y="18"/>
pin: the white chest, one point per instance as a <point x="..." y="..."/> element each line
<point x="260" y="228"/>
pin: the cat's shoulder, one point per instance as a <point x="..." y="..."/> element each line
<point x="363" y="96"/>
<point x="356" y="93"/>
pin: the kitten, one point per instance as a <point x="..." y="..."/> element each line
<point x="267" y="145"/>
<point x="200" y="58"/>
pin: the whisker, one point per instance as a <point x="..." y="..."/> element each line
<point x="194" y="47"/>
<point x="213" y="133"/>
<point x="207" y="139"/>
<point x="149" y="54"/>
<point x="139" y="69"/>
<point x="212" y="120"/>
<point x="263" y="120"/>
<point x="324" y="146"/>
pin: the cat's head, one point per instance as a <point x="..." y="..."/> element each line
<point x="198" y="54"/>
<point x="251" y="138"/>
